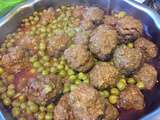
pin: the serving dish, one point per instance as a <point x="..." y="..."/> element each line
<point x="150" y="19"/>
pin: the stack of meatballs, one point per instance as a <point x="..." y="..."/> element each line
<point x="104" y="38"/>
<point x="105" y="47"/>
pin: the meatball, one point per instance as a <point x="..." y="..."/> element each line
<point x="93" y="13"/>
<point x="103" y="41"/>
<point x="79" y="58"/>
<point x="41" y="89"/>
<point x="82" y="38"/>
<point x="148" y="75"/>
<point x="127" y="59"/>
<point x="129" y="29"/>
<point x="47" y="16"/>
<point x="110" y="20"/>
<point x="63" y="110"/>
<point x="86" y="103"/>
<point x="103" y="75"/>
<point x="57" y="44"/>
<point x="111" y="113"/>
<point x="148" y="48"/>
<point x="131" y="98"/>
<point x="14" y="55"/>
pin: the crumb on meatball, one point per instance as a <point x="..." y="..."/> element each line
<point x="103" y="75"/>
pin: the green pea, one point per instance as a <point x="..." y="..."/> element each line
<point x="33" y="59"/>
<point x="34" y="107"/>
<point x="42" y="108"/>
<point x="50" y="108"/>
<point x="45" y="58"/>
<point x="41" y="53"/>
<point x="41" y="116"/>
<point x="22" y="118"/>
<point x="42" y="46"/>
<point x="36" y="18"/>
<point x="28" y="111"/>
<point x="73" y="87"/>
<point x="7" y="101"/>
<point x="130" y="45"/>
<point x="131" y="81"/>
<point x="9" y="44"/>
<point x="114" y="91"/>
<point x="122" y="80"/>
<point x="70" y="72"/>
<point x="36" y="64"/>
<point x="43" y="29"/>
<point x="81" y="76"/>
<point x="48" y="88"/>
<point x="104" y="93"/>
<point x="1" y="70"/>
<point x="72" y="77"/>
<point x="121" y="85"/>
<point x="48" y="116"/>
<point x="23" y="106"/>
<point x="40" y="69"/>
<point x="53" y="70"/>
<point x="66" y="88"/>
<point x="22" y="98"/>
<point x="66" y="68"/>
<point x="121" y="14"/>
<point x="60" y="67"/>
<point x="78" y="81"/>
<point x="15" y="111"/>
<point x="45" y="72"/>
<point x="140" y="85"/>
<point x="62" y="73"/>
<point x="113" y="99"/>
<point x="86" y="81"/>
<point x="10" y="92"/>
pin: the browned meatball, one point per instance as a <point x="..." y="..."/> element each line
<point x="129" y="29"/>
<point x="131" y="98"/>
<point x="47" y="16"/>
<point x="148" y="75"/>
<point x="127" y="59"/>
<point x="111" y="113"/>
<point x="93" y="13"/>
<point x="63" y="110"/>
<point x="79" y="58"/>
<point x="103" y="75"/>
<point x="13" y="56"/>
<point x="110" y="20"/>
<point x="148" y="48"/>
<point x="41" y="89"/>
<point x="57" y="44"/>
<point x="86" y="103"/>
<point x="82" y="38"/>
<point x="103" y="41"/>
